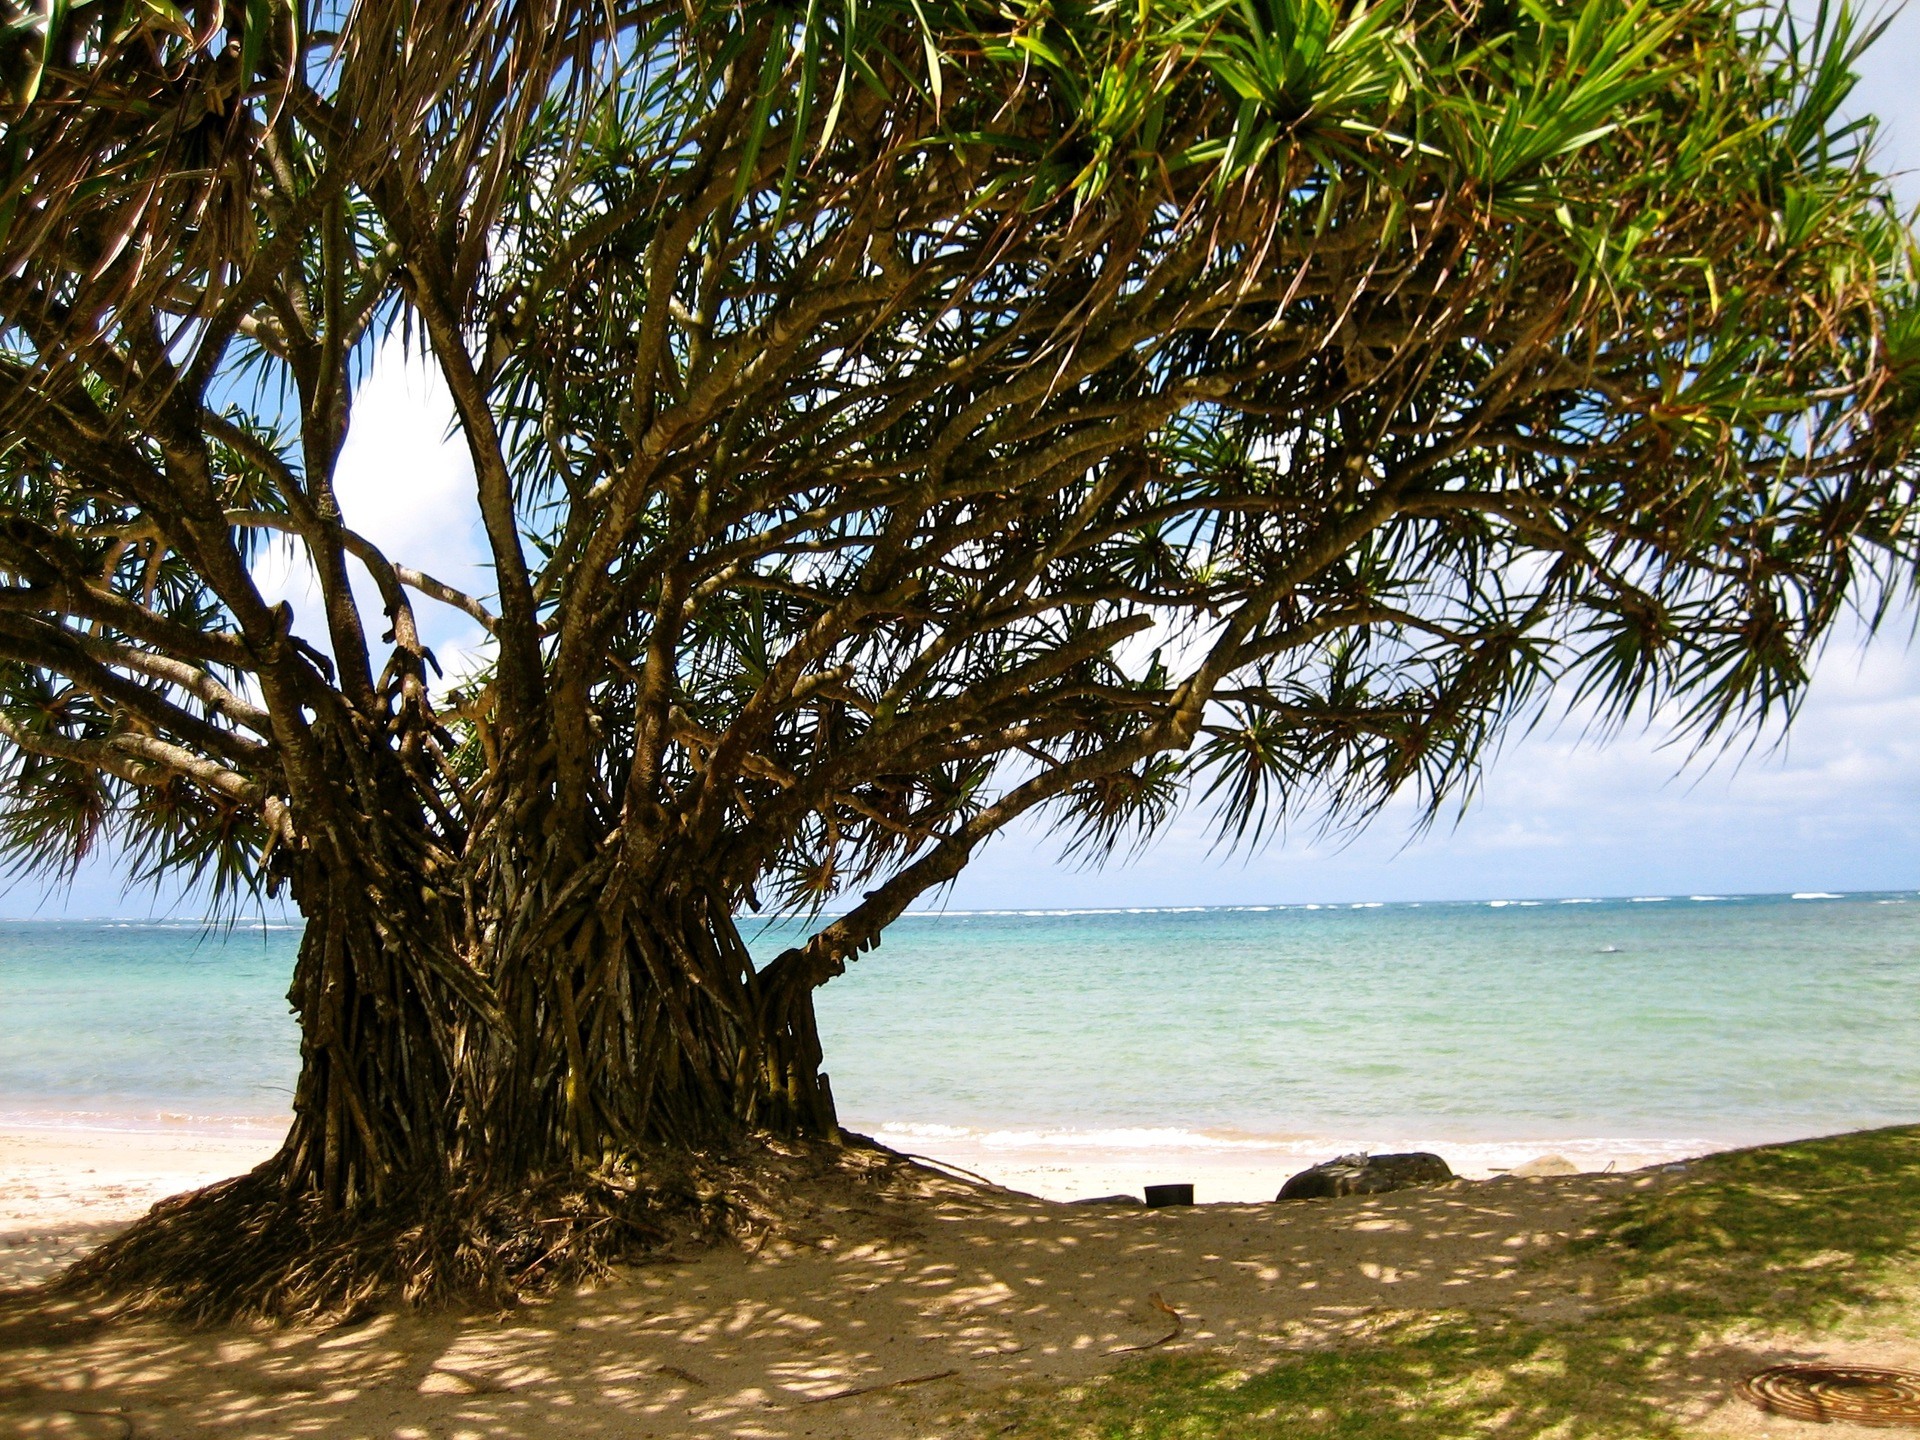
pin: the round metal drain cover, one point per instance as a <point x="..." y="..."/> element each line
<point x="1850" y="1394"/>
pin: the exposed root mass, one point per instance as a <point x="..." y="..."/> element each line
<point x="240" y="1250"/>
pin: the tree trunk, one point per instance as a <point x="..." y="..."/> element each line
<point x="641" y="1025"/>
<point x="493" y="1096"/>
<point x="385" y="1014"/>
<point x="616" y="1029"/>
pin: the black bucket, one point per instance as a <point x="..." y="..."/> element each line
<point x="1161" y="1196"/>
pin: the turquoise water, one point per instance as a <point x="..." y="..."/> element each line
<point x="1728" y="1020"/>
<point x="1719" y="1020"/>
<point x="107" y="1021"/>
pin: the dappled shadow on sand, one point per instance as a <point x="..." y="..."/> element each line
<point x="904" y="1297"/>
<point x="1809" y="1251"/>
<point x="33" y="1254"/>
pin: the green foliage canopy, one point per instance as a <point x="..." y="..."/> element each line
<point x="891" y="416"/>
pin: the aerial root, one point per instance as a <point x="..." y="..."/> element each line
<point x="243" y="1250"/>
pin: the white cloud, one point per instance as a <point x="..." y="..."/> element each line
<point x="405" y="481"/>
<point x="1835" y="807"/>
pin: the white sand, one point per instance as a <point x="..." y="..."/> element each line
<point x="62" y="1190"/>
<point x="903" y="1306"/>
<point x="900" y="1306"/>
<point x="1235" y="1169"/>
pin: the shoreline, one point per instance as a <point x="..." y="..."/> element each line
<point x="915" y="1304"/>
<point x="1233" y="1168"/>
<point x="68" y="1182"/>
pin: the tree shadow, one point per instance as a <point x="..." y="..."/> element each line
<point x="1739" y="1261"/>
<point x="898" y="1301"/>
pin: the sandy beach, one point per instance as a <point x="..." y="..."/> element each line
<point x="1231" y="1168"/>
<point x="897" y="1302"/>
<point x="64" y="1189"/>
<point x="917" y="1299"/>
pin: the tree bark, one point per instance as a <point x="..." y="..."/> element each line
<point x="597" y="1028"/>
<point x="495" y="1096"/>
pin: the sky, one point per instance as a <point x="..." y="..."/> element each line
<point x="1832" y="805"/>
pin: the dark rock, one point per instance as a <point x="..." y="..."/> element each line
<point x="1366" y="1175"/>
<point x="1107" y="1200"/>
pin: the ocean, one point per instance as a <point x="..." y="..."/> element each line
<point x="1057" y="1049"/>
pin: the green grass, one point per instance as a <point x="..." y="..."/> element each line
<point x="1784" y="1240"/>
<point x="1784" y="1236"/>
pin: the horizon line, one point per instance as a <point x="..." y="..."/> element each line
<point x="1064" y="911"/>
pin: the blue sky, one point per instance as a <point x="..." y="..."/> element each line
<point x="1834" y="805"/>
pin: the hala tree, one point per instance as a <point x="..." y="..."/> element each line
<point x="888" y="419"/>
